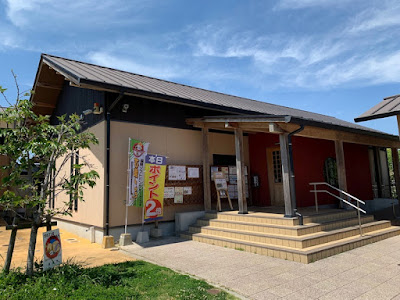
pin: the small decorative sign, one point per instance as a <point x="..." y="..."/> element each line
<point x="52" y="249"/>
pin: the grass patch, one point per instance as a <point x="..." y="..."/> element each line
<point x="129" y="280"/>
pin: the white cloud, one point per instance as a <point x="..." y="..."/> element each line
<point x="18" y="11"/>
<point x="74" y="14"/>
<point x="311" y="60"/>
<point x="375" y="69"/>
<point x="265" y="50"/>
<point x="379" y="17"/>
<point x="9" y="38"/>
<point x="299" y="4"/>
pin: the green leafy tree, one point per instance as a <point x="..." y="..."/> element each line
<point x="42" y="150"/>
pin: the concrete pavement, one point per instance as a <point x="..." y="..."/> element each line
<point x="74" y="248"/>
<point x="369" y="272"/>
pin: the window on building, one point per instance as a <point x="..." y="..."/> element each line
<point x="330" y="172"/>
<point x="224" y="160"/>
<point x="276" y="160"/>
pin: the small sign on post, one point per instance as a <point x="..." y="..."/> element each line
<point x="52" y="249"/>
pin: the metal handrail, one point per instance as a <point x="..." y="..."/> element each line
<point x="339" y="190"/>
<point x="358" y="201"/>
<point x="341" y="199"/>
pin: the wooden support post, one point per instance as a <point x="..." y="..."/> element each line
<point x="341" y="166"/>
<point x="287" y="195"/>
<point x="48" y="223"/>
<point x="206" y="171"/>
<point x="398" y="124"/>
<point x="396" y="170"/>
<point x="11" y="244"/>
<point x="241" y="185"/>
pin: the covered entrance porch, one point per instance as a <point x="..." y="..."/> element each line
<point x="288" y="153"/>
<point x="289" y="157"/>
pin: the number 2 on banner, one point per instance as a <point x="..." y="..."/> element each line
<point x="153" y="208"/>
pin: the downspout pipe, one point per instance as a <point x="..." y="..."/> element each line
<point x="108" y="110"/>
<point x="291" y="171"/>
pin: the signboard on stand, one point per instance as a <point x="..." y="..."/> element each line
<point x="52" y="249"/>
<point x="222" y="189"/>
<point x="154" y="182"/>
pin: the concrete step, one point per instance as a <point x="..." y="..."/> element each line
<point x="296" y="230"/>
<point x="299" y="242"/>
<point x="278" y="219"/>
<point x="305" y="255"/>
<point x="330" y="216"/>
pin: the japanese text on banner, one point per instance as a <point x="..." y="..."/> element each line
<point x="137" y="154"/>
<point x="154" y="187"/>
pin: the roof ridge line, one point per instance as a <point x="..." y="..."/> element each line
<point x="198" y="88"/>
<point x="397" y="95"/>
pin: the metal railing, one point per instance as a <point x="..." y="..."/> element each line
<point x="341" y="192"/>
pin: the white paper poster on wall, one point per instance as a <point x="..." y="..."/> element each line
<point x="169" y="192"/>
<point x="187" y="190"/>
<point x="178" y="198"/>
<point x="176" y="172"/>
<point x="193" y="173"/>
<point x="232" y="170"/>
<point x="232" y="191"/>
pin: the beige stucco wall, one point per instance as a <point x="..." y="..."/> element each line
<point x="91" y="211"/>
<point x="179" y="145"/>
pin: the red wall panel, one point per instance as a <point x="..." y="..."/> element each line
<point x="358" y="173"/>
<point x="309" y="156"/>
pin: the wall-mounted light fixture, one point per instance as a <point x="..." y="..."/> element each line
<point x="125" y="108"/>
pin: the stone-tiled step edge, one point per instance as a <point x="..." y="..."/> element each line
<point x="253" y="218"/>
<point x="279" y="220"/>
<point x="301" y="242"/>
<point x="330" y="216"/>
<point x="296" y="230"/>
<point x="303" y="256"/>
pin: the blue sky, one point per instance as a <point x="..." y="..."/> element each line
<point x="336" y="57"/>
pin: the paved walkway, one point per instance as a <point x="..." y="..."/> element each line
<point x="74" y="248"/>
<point x="370" y="272"/>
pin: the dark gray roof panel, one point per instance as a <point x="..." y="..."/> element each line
<point x="101" y="75"/>
<point x="389" y="106"/>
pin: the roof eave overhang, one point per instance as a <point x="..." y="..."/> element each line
<point x="374" y="117"/>
<point x="84" y="83"/>
<point x="60" y="69"/>
<point x="285" y="119"/>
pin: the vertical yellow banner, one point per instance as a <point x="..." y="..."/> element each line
<point x="154" y="181"/>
